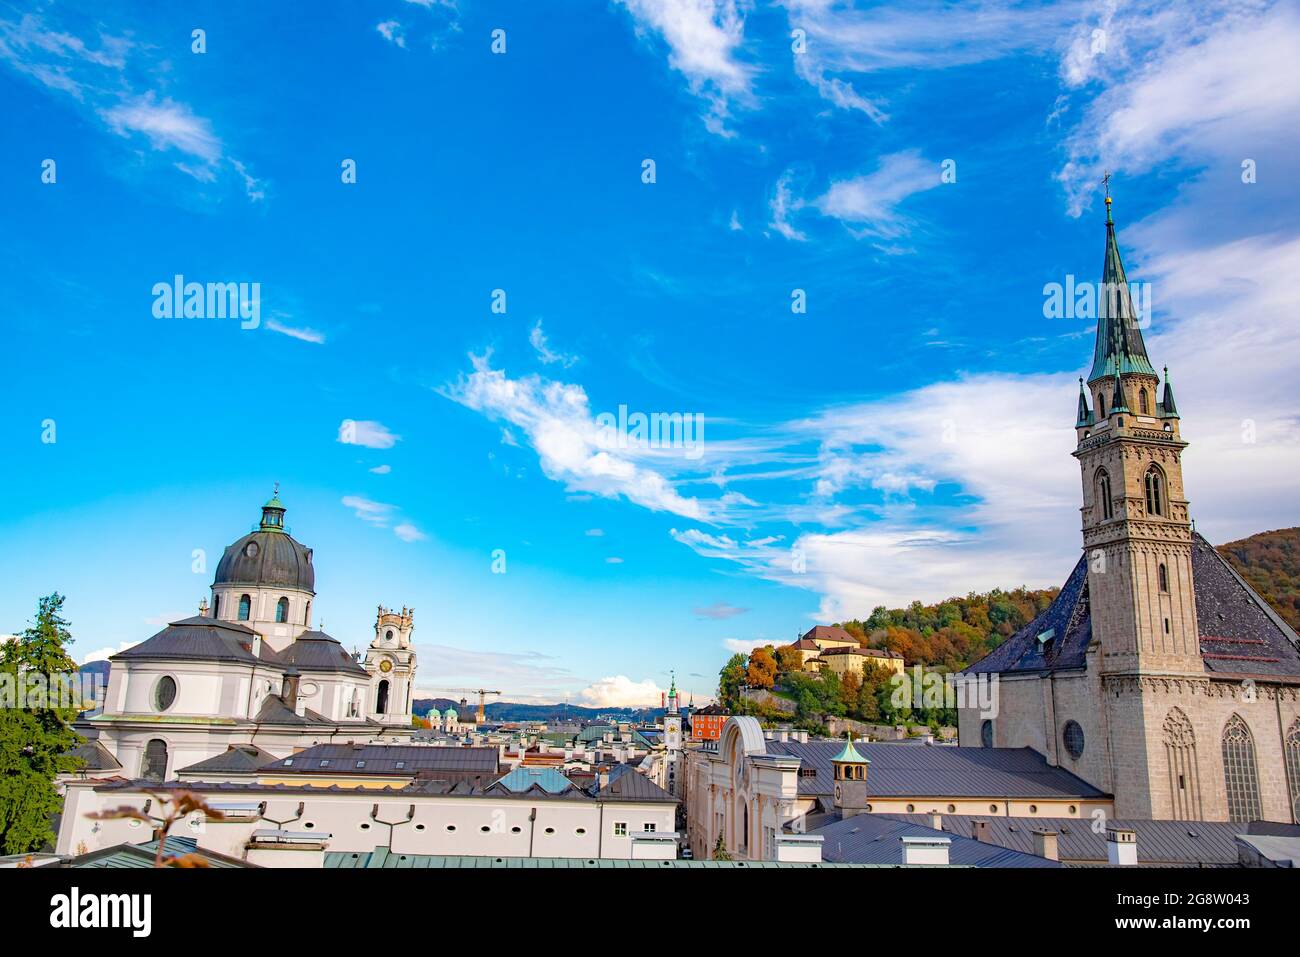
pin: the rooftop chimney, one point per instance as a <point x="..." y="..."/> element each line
<point x="979" y="830"/>
<point x="1045" y="845"/>
<point x="926" y="850"/>
<point x="1121" y="847"/>
<point x="936" y="820"/>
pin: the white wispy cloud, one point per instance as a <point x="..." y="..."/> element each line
<point x="368" y="510"/>
<point x="703" y="38"/>
<point x="98" y="78"/>
<point x="382" y="469"/>
<point x="537" y="338"/>
<point x="368" y="433"/>
<point x="295" y="332"/>
<point x="409" y="533"/>
<point x="719" y="610"/>
<point x="393" y="32"/>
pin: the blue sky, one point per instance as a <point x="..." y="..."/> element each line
<point x="907" y="436"/>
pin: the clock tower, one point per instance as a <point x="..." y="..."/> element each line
<point x="390" y="659"/>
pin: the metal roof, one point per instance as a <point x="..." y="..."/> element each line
<point x="199" y="638"/>
<point x="521" y="780"/>
<point x="878" y="839"/>
<point x="237" y="758"/>
<point x="143" y="856"/>
<point x="381" y="857"/>
<point x="938" y="770"/>
<point x="274" y="558"/>
<point x="1169" y="843"/>
<point x="396" y="759"/>
<point x="317" y="651"/>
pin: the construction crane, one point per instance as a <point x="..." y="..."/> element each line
<point x="481" y="692"/>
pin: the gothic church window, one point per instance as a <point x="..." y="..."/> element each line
<point x="1143" y="405"/>
<point x="282" y="611"/>
<point x="1292" y="750"/>
<point x="245" y="606"/>
<point x="1164" y="578"/>
<point x="1239" y="771"/>
<point x="1155" y="484"/>
<point x="1103" y="494"/>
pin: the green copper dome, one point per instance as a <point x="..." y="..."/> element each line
<point x="850" y="754"/>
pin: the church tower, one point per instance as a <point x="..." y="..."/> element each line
<point x="390" y="659"/>
<point x="672" y="739"/>
<point x="1136" y="533"/>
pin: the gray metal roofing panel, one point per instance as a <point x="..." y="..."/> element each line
<point x="236" y="758"/>
<point x="876" y="839"/>
<point x="197" y="639"/>
<point x="382" y="858"/>
<point x="1174" y="843"/>
<point x="384" y="758"/>
<point x="930" y="771"/>
<point x="317" y="651"/>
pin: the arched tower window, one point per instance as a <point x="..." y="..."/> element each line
<point x="216" y="606"/>
<point x="306" y="614"/>
<point x="1164" y="577"/>
<point x="1144" y="405"/>
<point x="1101" y="407"/>
<point x="153" y="766"/>
<point x="245" y="606"/>
<point x="282" y="611"/>
<point x="1292" y="750"/>
<point x="986" y="734"/>
<point x="1103" y="494"/>
<point x="381" y="698"/>
<point x="1239" y="771"/>
<point x="1184" y="774"/>
<point x="1155" y="484"/>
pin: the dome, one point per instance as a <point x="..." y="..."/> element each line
<point x="268" y="556"/>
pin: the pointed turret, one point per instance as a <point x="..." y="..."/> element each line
<point x="1168" y="407"/>
<point x="1119" y="401"/>
<point x="1119" y="339"/>
<point x="1085" y="415"/>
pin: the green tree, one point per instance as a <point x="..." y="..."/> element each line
<point x="720" y="852"/>
<point x="35" y="741"/>
<point x="730" y="680"/>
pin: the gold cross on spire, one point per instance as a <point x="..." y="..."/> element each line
<point x="1105" y="182"/>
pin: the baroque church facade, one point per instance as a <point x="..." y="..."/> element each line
<point x="251" y="671"/>
<point x="1157" y="675"/>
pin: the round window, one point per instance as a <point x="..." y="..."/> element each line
<point x="164" y="693"/>
<point x="251" y="549"/>
<point x="1073" y="735"/>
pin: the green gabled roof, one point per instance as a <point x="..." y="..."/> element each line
<point x="1119" y="339"/>
<point x="849" y="754"/>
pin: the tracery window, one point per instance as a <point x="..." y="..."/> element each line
<point x="1239" y="771"/>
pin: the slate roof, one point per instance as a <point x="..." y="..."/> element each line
<point x="275" y="711"/>
<point x="1159" y="843"/>
<point x="595" y="734"/>
<point x="236" y="759"/>
<point x="1240" y="633"/>
<point x="317" y="651"/>
<point x="96" y="757"/>
<point x="876" y="839"/>
<point x="396" y="759"/>
<point x="199" y="638"/>
<point x="938" y="770"/>
<point x="864" y="652"/>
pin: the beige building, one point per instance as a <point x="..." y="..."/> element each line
<point x="1158" y="675"/>
<point x="821" y="640"/>
<point x="842" y="661"/>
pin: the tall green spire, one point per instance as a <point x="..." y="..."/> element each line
<point x="1085" y="416"/>
<point x="1119" y="340"/>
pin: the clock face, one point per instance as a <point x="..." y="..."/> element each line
<point x="385" y="666"/>
<point x="837" y="792"/>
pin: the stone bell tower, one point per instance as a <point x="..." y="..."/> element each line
<point x="390" y="659"/>
<point x="1136" y="532"/>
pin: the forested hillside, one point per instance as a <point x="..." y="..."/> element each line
<point x="1270" y="561"/>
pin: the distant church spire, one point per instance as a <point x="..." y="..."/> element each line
<point x="1119" y="340"/>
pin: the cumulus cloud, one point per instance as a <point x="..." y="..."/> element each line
<point x="620" y="691"/>
<point x="367" y="433"/>
<point x="103" y="654"/>
<point x="392" y="31"/>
